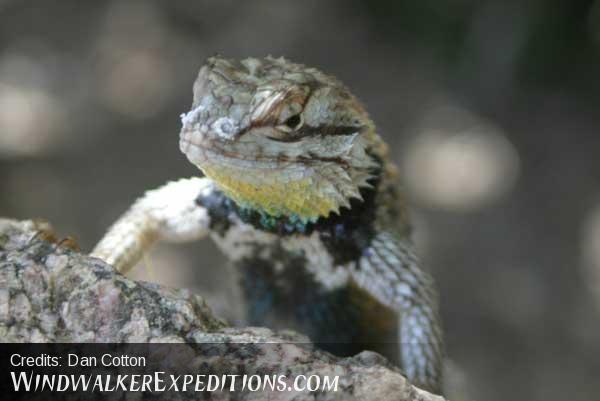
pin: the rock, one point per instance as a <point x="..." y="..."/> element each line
<point x="51" y="293"/>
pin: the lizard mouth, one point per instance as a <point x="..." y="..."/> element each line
<point x="206" y="153"/>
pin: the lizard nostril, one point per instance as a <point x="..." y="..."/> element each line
<point x="225" y="128"/>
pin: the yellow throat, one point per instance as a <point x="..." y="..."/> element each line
<point x="299" y="198"/>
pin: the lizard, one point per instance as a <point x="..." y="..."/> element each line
<point x="299" y="193"/>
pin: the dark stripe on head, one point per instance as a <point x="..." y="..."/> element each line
<point x="324" y="130"/>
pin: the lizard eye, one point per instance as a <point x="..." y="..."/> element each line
<point x="292" y="123"/>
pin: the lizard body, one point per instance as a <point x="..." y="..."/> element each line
<point x="300" y="195"/>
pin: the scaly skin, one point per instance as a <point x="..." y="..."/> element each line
<point x="300" y="195"/>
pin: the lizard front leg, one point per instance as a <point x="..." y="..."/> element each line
<point x="168" y="213"/>
<point x="389" y="270"/>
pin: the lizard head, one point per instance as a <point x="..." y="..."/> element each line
<point x="279" y="138"/>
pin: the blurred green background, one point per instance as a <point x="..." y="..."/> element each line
<point x="491" y="108"/>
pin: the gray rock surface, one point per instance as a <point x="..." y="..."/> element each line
<point x="51" y="293"/>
